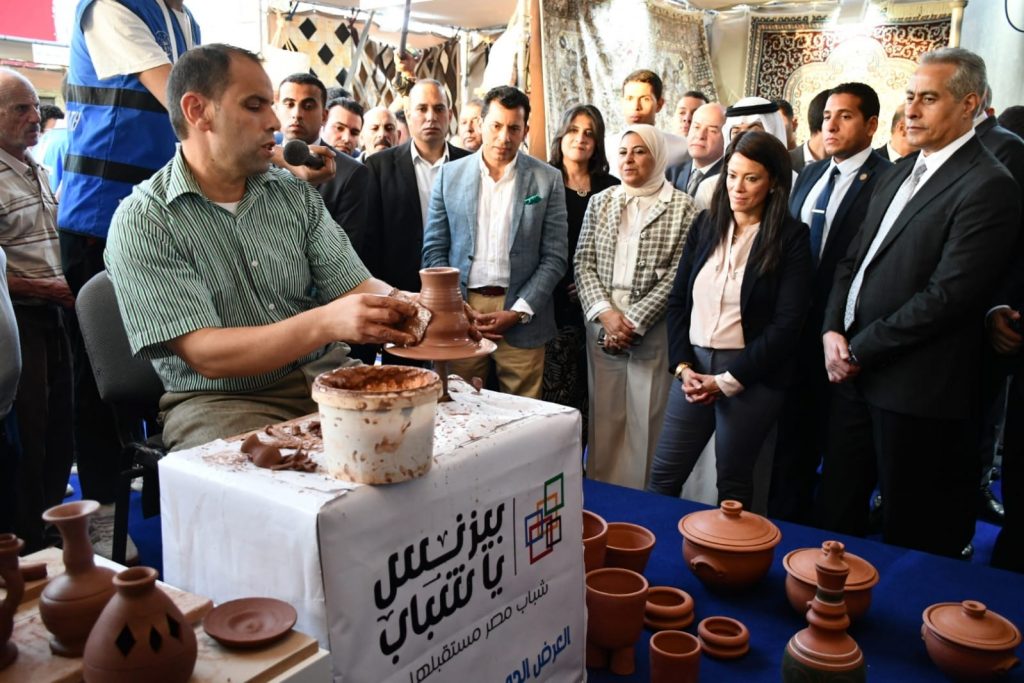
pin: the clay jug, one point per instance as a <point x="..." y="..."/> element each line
<point x="440" y="294"/>
<point x="140" y="636"/>
<point x="72" y="601"/>
<point x="675" y="657"/>
<point x="824" y="651"/>
<point x="10" y="546"/>
<point x="616" y="599"/>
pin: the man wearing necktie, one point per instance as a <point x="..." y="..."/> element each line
<point x="831" y="196"/>
<point x="904" y="324"/>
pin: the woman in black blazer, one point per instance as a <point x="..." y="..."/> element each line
<point x="734" y="315"/>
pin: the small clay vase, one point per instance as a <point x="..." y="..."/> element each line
<point x="668" y="609"/>
<point x="629" y="546"/>
<point x="824" y="651"/>
<point x="675" y="657"/>
<point x="595" y="538"/>
<point x="72" y="601"/>
<point x="10" y="546"/>
<point x="723" y="637"/>
<point x="968" y="642"/>
<point x="140" y="636"/>
<point x="615" y="617"/>
<point x="801" y="581"/>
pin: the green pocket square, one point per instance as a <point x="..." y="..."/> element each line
<point x="532" y="199"/>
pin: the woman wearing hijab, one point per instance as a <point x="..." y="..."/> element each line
<point x="630" y="244"/>
<point x="734" y="315"/>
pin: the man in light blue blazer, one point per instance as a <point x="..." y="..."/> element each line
<point x="499" y="217"/>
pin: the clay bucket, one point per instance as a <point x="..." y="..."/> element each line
<point x="629" y="546"/>
<point x="615" y="617"/>
<point x="595" y="537"/>
<point x="377" y="422"/>
<point x="675" y="657"/>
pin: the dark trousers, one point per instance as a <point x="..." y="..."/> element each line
<point x="800" y="443"/>
<point x="740" y="424"/>
<point x="43" y="409"/>
<point x="96" y="443"/>
<point x="9" y="456"/>
<point x="1009" y="549"/>
<point x="926" y="469"/>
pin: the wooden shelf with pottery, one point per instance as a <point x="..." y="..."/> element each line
<point x="36" y="663"/>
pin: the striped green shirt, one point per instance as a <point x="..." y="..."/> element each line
<point x="180" y="263"/>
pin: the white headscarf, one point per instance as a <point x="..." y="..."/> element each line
<point x="772" y="122"/>
<point x="654" y="141"/>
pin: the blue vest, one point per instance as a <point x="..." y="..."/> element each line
<point x="119" y="134"/>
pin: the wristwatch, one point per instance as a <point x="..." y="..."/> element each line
<point x="523" y="316"/>
<point x="679" y="371"/>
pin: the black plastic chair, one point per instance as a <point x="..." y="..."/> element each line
<point x="131" y="387"/>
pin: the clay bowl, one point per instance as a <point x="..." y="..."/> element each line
<point x="595" y="538"/>
<point x="968" y="642"/>
<point x="723" y="638"/>
<point x="801" y="581"/>
<point x="629" y="546"/>
<point x="668" y="608"/>
<point x="616" y="599"/>
<point x="728" y="548"/>
<point x="675" y="657"/>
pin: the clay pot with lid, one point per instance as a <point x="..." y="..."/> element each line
<point x="72" y="601"/>
<point x="969" y="642"/>
<point x="801" y="580"/>
<point x="616" y="599"/>
<point x="728" y="548"/>
<point x="595" y="538"/>
<point x="629" y="546"/>
<point x="377" y="421"/>
<point x="140" y="636"/>
<point x="10" y="546"/>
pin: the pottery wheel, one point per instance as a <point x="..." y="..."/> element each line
<point x="427" y="351"/>
<point x="249" y="622"/>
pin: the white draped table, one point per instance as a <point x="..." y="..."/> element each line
<point x="471" y="572"/>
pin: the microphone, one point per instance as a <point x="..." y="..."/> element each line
<point x="296" y="153"/>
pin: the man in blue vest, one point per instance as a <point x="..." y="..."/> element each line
<point x="118" y="135"/>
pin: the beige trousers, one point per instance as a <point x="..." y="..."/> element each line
<point x="520" y="371"/>
<point x="196" y="417"/>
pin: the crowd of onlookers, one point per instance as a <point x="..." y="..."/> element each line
<point x="842" y="316"/>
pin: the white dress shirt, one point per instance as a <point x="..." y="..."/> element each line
<point x="490" y="266"/>
<point x="894" y="156"/>
<point x="848" y="169"/>
<point x="426" y="174"/>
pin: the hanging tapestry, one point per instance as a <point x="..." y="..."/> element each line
<point x="795" y="57"/>
<point x="590" y="46"/>
<point x="331" y="42"/>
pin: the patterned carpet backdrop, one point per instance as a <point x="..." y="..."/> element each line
<point x="795" y="57"/>
<point x="590" y="46"/>
<point x="330" y="43"/>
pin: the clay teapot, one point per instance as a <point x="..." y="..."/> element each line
<point x="72" y="601"/>
<point x="969" y="642"/>
<point x="728" y="548"/>
<point x="10" y="546"/>
<point x="801" y="580"/>
<point x="140" y="636"/>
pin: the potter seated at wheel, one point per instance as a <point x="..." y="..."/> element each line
<point x="230" y="275"/>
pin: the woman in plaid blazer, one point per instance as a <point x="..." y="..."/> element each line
<point x="630" y="244"/>
<point x="734" y="316"/>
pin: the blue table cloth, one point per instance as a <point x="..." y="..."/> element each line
<point x="889" y="635"/>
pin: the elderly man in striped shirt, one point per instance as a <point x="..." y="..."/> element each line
<point x="231" y="275"/>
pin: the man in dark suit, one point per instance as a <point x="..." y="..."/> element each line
<point x="706" y="147"/>
<point x="903" y="326"/>
<point x="812" y="150"/>
<point x="400" y="182"/>
<point x="897" y="147"/>
<point x="831" y="196"/>
<point x="301" y="109"/>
